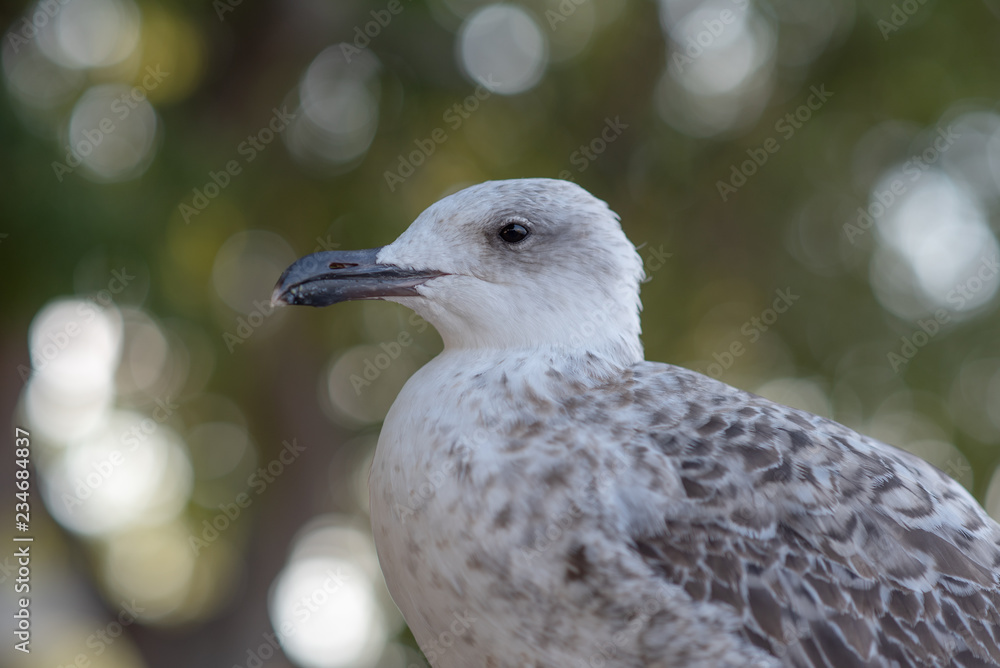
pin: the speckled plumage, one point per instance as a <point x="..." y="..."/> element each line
<point x="751" y="534"/>
<point x="541" y="496"/>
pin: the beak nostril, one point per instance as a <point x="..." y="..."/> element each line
<point x="341" y="265"/>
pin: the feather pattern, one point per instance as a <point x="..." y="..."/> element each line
<point x="662" y="518"/>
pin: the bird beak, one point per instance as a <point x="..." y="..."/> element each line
<point x="331" y="277"/>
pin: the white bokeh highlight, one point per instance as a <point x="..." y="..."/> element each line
<point x="502" y="47"/>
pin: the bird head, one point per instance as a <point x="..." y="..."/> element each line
<point x="516" y="264"/>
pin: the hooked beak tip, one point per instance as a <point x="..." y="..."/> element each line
<point x="330" y="277"/>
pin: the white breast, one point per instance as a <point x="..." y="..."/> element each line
<point x="481" y="490"/>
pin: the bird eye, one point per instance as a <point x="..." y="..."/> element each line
<point x="513" y="233"/>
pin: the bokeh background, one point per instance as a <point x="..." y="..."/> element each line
<point x="815" y="186"/>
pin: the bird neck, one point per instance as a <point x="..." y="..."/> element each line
<point x="594" y="364"/>
<point x="601" y="341"/>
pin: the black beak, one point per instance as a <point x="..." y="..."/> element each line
<point x="330" y="277"/>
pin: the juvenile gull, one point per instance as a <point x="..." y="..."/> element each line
<point x="542" y="496"/>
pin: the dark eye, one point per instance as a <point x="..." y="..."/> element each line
<point x="513" y="233"/>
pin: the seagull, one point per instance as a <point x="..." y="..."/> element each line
<point x="543" y="496"/>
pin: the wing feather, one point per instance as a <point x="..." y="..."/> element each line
<point x="833" y="549"/>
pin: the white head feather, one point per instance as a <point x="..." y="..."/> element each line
<point x="572" y="285"/>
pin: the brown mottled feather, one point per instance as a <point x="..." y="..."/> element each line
<point x="834" y="549"/>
